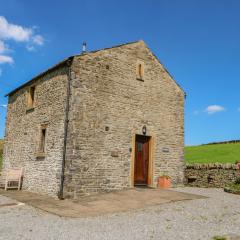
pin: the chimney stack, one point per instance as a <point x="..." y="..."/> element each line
<point x="84" y="47"/>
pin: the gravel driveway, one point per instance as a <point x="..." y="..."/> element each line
<point x="196" y="219"/>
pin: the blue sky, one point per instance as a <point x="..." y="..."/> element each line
<point x="197" y="41"/>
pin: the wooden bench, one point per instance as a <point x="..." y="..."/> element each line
<point x="13" y="179"/>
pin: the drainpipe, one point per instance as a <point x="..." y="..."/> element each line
<point x="69" y="63"/>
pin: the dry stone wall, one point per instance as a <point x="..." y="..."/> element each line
<point x="211" y="175"/>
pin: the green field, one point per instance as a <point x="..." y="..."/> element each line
<point x="221" y="153"/>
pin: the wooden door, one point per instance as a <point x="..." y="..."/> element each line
<point x="141" y="160"/>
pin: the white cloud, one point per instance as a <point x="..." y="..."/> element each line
<point x="3" y="47"/>
<point x="17" y="33"/>
<point x="38" y="39"/>
<point x="214" y="109"/>
<point x="30" y="48"/>
<point x="3" y="105"/>
<point x="6" y="59"/>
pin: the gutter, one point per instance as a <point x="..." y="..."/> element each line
<point x="60" y="194"/>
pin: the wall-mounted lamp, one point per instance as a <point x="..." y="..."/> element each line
<point x="144" y="130"/>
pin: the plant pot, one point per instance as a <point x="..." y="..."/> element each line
<point x="238" y="165"/>
<point x="164" y="182"/>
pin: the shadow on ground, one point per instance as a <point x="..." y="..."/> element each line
<point x="107" y="203"/>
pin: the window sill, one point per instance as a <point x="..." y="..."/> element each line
<point x="30" y="109"/>
<point x="40" y="155"/>
<point x="140" y="79"/>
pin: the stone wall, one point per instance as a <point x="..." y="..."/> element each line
<point x="211" y="175"/>
<point x="42" y="174"/>
<point x="108" y="106"/>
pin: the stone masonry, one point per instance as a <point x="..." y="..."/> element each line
<point x="108" y="106"/>
<point x="211" y="175"/>
<point x="42" y="174"/>
<point x="105" y="94"/>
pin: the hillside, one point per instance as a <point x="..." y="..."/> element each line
<point x="221" y="153"/>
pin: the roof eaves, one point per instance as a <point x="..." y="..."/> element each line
<point x="40" y="75"/>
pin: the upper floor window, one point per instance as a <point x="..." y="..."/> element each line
<point x="42" y="140"/>
<point x="140" y="70"/>
<point x="31" y="97"/>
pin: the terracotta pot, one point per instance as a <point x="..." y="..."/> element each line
<point x="238" y="165"/>
<point x="164" y="182"/>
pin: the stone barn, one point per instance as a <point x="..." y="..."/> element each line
<point x="96" y="122"/>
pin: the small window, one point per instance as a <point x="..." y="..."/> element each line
<point x="140" y="70"/>
<point x="42" y="145"/>
<point x="31" y="97"/>
<point x="139" y="147"/>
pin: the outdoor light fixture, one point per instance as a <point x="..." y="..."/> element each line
<point x="144" y="130"/>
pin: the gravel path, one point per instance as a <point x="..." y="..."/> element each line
<point x="6" y="200"/>
<point x="196" y="219"/>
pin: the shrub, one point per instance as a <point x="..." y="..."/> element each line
<point x="219" y="238"/>
<point x="237" y="181"/>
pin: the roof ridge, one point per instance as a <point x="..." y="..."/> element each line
<point x="107" y="48"/>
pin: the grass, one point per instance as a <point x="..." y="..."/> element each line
<point x="1" y="152"/>
<point x="235" y="187"/>
<point x="219" y="238"/>
<point x="221" y="153"/>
